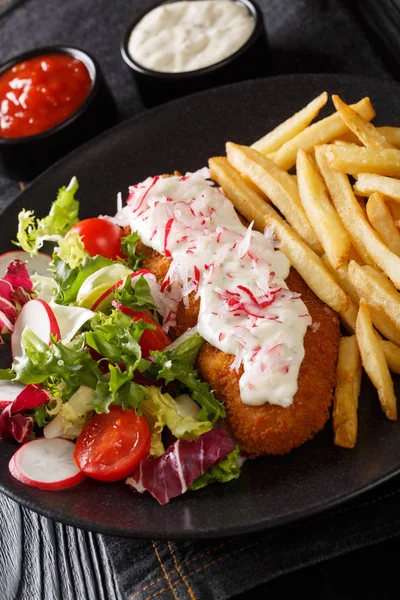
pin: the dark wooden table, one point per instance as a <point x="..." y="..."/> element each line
<point x="44" y="560"/>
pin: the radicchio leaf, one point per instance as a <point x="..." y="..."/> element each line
<point x="13" y="424"/>
<point x="15" y="290"/>
<point x="171" y="474"/>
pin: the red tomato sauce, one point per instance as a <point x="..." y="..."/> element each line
<point x="41" y="92"/>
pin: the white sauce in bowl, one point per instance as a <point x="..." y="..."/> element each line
<point x="246" y="308"/>
<point x="190" y="35"/>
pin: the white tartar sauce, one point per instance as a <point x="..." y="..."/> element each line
<point x="190" y="35"/>
<point x="246" y="308"/>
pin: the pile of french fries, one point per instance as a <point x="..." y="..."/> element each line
<point x="338" y="222"/>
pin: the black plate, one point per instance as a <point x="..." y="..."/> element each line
<point x="271" y="490"/>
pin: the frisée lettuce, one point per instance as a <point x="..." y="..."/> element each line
<point x="32" y="232"/>
<point x="161" y="410"/>
<point x="178" y="364"/>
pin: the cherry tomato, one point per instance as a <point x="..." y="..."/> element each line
<point x="100" y="236"/>
<point x="152" y="339"/>
<point x="112" y="445"/>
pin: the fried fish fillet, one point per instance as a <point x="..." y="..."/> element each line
<point x="269" y="429"/>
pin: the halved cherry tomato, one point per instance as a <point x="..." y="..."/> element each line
<point x="152" y="339"/>
<point x="112" y="445"/>
<point x="100" y="236"/>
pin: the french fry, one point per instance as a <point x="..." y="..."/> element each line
<point x="382" y="221"/>
<point x="349" y="138"/>
<point x="324" y="219"/>
<point x="392" y="355"/>
<point x="392" y="134"/>
<point x="342" y="277"/>
<point x="348" y="384"/>
<point x="365" y="239"/>
<point x="348" y="317"/>
<point x="288" y="129"/>
<point x="384" y="324"/>
<point x="394" y="208"/>
<point x="353" y="160"/>
<point x="278" y="185"/>
<point x="377" y="290"/>
<point x="308" y="264"/>
<point x="374" y="361"/>
<point x="353" y="255"/>
<point x="338" y="185"/>
<point x="342" y="142"/>
<point x="364" y="130"/>
<point x="367" y="183"/>
<point x="245" y="199"/>
<point x="322" y="132"/>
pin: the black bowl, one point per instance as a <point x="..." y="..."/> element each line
<point x="25" y="157"/>
<point x="248" y="62"/>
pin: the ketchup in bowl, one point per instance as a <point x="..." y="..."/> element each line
<point x="39" y="93"/>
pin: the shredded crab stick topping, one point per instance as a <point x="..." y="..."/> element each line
<point x="246" y="308"/>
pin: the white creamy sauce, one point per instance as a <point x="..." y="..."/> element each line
<point x="246" y="308"/>
<point x="190" y="35"/>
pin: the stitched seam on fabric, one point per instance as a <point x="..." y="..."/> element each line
<point x="198" y="556"/>
<point x="170" y="585"/>
<point x="184" y="564"/>
<point x="183" y="577"/>
<point x="276" y="533"/>
<point x="164" y="589"/>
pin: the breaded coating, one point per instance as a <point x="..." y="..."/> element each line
<point x="185" y="317"/>
<point x="269" y="429"/>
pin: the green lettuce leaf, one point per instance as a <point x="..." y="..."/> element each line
<point x="128" y="245"/>
<point x="116" y="337"/>
<point x="56" y="363"/>
<point x="6" y="374"/>
<point x="71" y="249"/>
<point x="32" y="232"/>
<point x="161" y="410"/>
<point x="187" y="350"/>
<point x="224" y="471"/>
<point x="177" y="363"/>
<point x="69" y="280"/>
<point x="120" y="390"/>
<point x="41" y="416"/>
<point x="137" y="296"/>
<point x="69" y="418"/>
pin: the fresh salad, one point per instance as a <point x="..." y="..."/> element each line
<point x="97" y="388"/>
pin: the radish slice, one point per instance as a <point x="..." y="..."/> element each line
<point x="8" y="392"/>
<point x="39" y="263"/>
<point x="46" y="464"/>
<point x="38" y="316"/>
<point x="70" y="319"/>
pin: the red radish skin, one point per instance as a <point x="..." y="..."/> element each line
<point x="37" y="315"/>
<point x="8" y="392"/>
<point x="38" y="263"/>
<point x="46" y="464"/>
